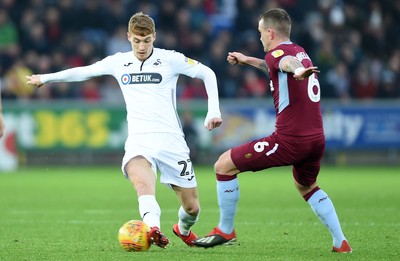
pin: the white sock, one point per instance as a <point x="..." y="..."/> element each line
<point x="186" y="221"/>
<point x="323" y="207"/>
<point x="149" y="210"/>
<point x="228" y="197"/>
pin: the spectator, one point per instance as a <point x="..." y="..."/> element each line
<point x="254" y="85"/>
<point x="363" y="85"/>
<point x="9" y="47"/>
<point x="15" y="81"/>
<point x="53" y="27"/>
<point x="338" y="80"/>
<point x="193" y="90"/>
<point x="118" y="42"/>
<point x="346" y="31"/>
<point x="217" y="60"/>
<point x="8" y="31"/>
<point x="390" y="86"/>
<point x="231" y="86"/>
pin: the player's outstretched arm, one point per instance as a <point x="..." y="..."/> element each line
<point x="213" y="118"/>
<point x="292" y="65"/>
<point x="241" y="59"/>
<point x="76" y="74"/>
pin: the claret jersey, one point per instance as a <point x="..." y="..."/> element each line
<point x="148" y="87"/>
<point x="296" y="102"/>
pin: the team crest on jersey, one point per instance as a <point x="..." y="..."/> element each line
<point x="140" y="78"/>
<point x="191" y="61"/>
<point x="157" y="63"/>
<point x="277" y="53"/>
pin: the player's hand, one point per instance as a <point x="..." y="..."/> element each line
<point x="213" y="120"/>
<point x="213" y="123"/>
<point x="34" y="80"/>
<point x="303" y="73"/>
<point x="236" y="58"/>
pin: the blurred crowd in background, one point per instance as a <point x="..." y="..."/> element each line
<point x="355" y="43"/>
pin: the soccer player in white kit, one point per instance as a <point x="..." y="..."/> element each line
<point x="148" y="77"/>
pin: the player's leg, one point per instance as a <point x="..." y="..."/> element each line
<point x="177" y="173"/>
<point x="188" y="213"/>
<point x="320" y="203"/>
<point x="253" y="156"/>
<point x="228" y="197"/>
<point x="143" y="179"/>
<point x="227" y="191"/>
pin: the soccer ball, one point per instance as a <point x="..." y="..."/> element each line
<point x="132" y="236"/>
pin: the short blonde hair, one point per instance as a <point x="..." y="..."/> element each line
<point x="278" y="19"/>
<point x="141" y="24"/>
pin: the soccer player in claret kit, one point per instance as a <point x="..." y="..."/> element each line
<point x="298" y="139"/>
<point x="147" y="77"/>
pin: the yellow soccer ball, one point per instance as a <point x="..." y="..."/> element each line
<point x="132" y="236"/>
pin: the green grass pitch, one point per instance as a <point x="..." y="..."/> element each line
<point x="74" y="214"/>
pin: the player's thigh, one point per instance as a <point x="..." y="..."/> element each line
<point x="306" y="174"/>
<point x="141" y="175"/>
<point x="261" y="154"/>
<point x="140" y="146"/>
<point x="306" y="171"/>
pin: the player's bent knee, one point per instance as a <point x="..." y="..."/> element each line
<point x="193" y="209"/>
<point x="220" y="166"/>
<point x="225" y="167"/>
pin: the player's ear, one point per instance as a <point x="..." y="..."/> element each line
<point x="271" y="34"/>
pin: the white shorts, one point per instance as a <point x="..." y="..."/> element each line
<point x="168" y="153"/>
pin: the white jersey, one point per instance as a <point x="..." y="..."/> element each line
<point x="148" y="87"/>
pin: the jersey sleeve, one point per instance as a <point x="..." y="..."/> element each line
<point x="77" y="74"/>
<point x="275" y="57"/>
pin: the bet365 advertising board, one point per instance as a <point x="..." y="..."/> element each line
<point x="77" y="125"/>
